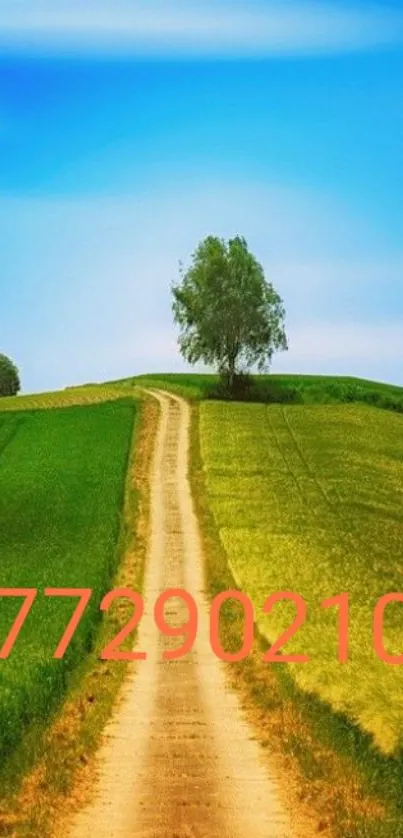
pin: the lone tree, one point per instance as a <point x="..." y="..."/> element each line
<point x="229" y="315"/>
<point x="9" y="377"/>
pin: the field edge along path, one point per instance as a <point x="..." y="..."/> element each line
<point x="178" y="759"/>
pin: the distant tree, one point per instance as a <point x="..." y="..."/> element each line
<point x="229" y="315"/>
<point x="9" y="377"/>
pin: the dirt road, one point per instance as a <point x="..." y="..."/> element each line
<point x="178" y="760"/>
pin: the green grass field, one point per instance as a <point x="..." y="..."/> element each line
<point x="308" y="498"/>
<point x="62" y="475"/>
<point x="302" y="389"/>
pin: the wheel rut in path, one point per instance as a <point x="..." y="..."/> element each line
<point x="178" y="760"/>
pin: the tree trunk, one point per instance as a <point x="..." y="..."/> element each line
<point x="232" y="355"/>
<point x="231" y="375"/>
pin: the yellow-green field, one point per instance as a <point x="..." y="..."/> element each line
<point x="308" y="498"/>
<point x="87" y="394"/>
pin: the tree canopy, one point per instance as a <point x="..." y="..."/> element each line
<point x="9" y="377"/>
<point x="228" y="314"/>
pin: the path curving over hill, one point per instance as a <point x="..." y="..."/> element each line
<point x="178" y="760"/>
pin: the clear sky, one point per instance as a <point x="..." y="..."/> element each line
<point x="129" y="130"/>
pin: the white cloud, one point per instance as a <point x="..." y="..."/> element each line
<point x="343" y="341"/>
<point x="370" y="350"/>
<point x="217" y="27"/>
<point x="121" y="353"/>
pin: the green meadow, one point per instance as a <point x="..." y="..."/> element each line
<point x="297" y="389"/>
<point x="62" y="476"/>
<point x="308" y="498"/>
<point x="306" y="495"/>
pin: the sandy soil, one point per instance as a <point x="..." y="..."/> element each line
<point x="179" y="760"/>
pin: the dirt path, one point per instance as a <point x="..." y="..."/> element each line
<point x="178" y="760"/>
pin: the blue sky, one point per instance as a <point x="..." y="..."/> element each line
<point x="130" y="130"/>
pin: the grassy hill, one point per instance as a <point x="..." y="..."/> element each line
<point x="297" y="389"/>
<point x="62" y="474"/>
<point x="309" y="499"/>
<point x="86" y="395"/>
<point x="304" y="485"/>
